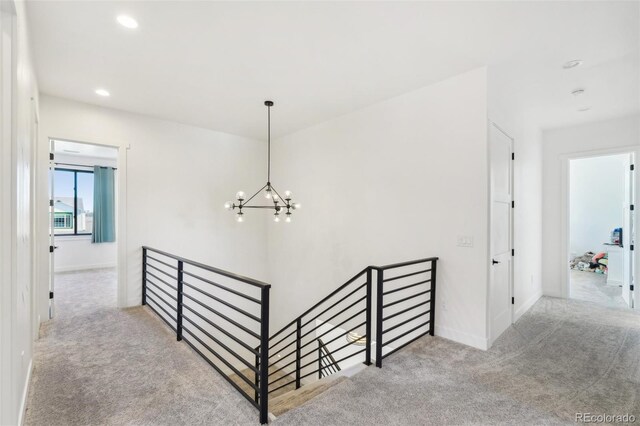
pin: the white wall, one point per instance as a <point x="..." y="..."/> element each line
<point x="17" y="322"/>
<point x="77" y="252"/>
<point x="395" y="181"/>
<point x="505" y="109"/>
<point x="177" y="180"/>
<point x="596" y="194"/>
<point x="559" y="145"/>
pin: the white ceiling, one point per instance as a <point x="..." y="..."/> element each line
<point x="212" y="64"/>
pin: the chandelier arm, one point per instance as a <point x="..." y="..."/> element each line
<point x="269" y="143"/>
<point x="257" y="207"/>
<point x="254" y="195"/>
<point x="287" y="203"/>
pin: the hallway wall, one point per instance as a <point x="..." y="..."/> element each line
<point x="177" y="180"/>
<point x="394" y="181"/>
<point x="558" y="145"/>
<point x="18" y="326"/>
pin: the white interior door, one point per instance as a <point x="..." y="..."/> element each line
<point x="52" y="237"/>
<point x="500" y="277"/>
<point x="628" y="233"/>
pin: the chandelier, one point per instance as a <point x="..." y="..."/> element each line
<point x="281" y="206"/>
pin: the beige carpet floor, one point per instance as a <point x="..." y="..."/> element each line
<point x="592" y="287"/>
<point x="99" y="365"/>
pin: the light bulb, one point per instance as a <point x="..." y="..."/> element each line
<point x="287" y="195"/>
<point x="228" y="205"/>
<point x="267" y="194"/>
<point x="288" y="219"/>
<point x="275" y="197"/>
<point x="240" y="195"/>
<point x="297" y="206"/>
<point x="239" y="217"/>
<point x="276" y="218"/>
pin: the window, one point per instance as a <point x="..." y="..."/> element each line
<point x="73" y="202"/>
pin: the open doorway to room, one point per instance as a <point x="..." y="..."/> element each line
<point x="601" y="229"/>
<point x="84" y="197"/>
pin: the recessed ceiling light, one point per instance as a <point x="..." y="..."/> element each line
<point x="583" y="109"/>
<point x="127" y="21"/>
<point x="572" y="64"/>
<point x="578" y="92"/>
<point x="103" y="92"/>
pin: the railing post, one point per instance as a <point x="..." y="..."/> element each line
<point x="298" y="350"/>
<point x="179" y="310"/>
<point x="256" y="377"/>
<point x="264" y="355"/>
<point x="432" y="304"/>
<point x="144" y="276"/>
<point x="379" y="319"/>
<point x="367" y="356"/>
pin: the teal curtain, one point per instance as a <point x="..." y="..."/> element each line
<point x="104" y="209"/>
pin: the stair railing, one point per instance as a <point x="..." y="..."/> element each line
<point x="223" y="316"/>
<point x="327" y="364"/>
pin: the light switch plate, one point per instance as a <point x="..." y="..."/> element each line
<point x="465" y="241"/>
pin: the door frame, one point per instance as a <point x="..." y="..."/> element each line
<point x="491" y="337"/>
<point x="121" y="215"/>
<point x="565" y="208"/>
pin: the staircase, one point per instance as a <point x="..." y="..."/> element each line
<point x="224" y="317"/>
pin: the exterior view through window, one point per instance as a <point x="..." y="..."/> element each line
<point x="73" y="202"/>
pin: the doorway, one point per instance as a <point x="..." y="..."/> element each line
<point x="601" y="235"/>
<point x="83" y="227"/>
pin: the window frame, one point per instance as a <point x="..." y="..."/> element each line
<point x="75" y="202"/>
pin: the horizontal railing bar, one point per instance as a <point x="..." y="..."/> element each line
<point x="335" y="315"/>
<point x="160" y="261"/>
<point x="333" y="293"/>
<point x="313" y="350"/>
<point x="164" y="272"/>
<point x="160" y="298"/>
<point x="225" y="362"/>
<point x="399" y="265"/>
<point x="406" y="310"/>
<point x="334" y="305"/>
<point x="227" y="274"/>
<point x="223" y="316"/>
<point x="225" y="347"/>
<point x="282" y="340"/>
<point x="405" y="333"/>
<point x="405" y="321"/>
<point x="230" y="290"/>
<point x="161" y="316"/>
<point x="235" y="385"/>
<point x="162" y="290"/>
<point x="405" y="275"/>
<point x="405" y="344"/>
<point x="226" y="333"/>
<point x="224" y="302"/>
<point x="285" y="385"/>
<point x="405" y="287"/>
<point x="161" y="280"/>
<point x="404" y="299"/>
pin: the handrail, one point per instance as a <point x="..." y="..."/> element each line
<point x="408" y="263"/>
<point x="228" y="274"/>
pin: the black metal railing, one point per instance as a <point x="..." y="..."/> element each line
<point x="294" y="356"/>
<point x="405" y="308"/>
<point x="327" y="364"/>
<point x="223" y="316"/>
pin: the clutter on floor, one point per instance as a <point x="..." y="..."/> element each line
<point x="590" y="262"/>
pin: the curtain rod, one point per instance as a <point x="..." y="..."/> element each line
<point x="81" y="165"/>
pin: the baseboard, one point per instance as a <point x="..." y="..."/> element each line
<point x="25" y="393"/>
<point x="526" y="306"/>
<point x="462" y="337"/>
<point x="85" y="267"/>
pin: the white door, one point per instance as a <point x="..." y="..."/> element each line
<point x="52" y="242"/>
<point x="500" y="289"/>
<point x="628" y="233"/>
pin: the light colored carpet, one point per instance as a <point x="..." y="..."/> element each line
<point x="99" y="365"/>
<point x="592" y="287"/>
<point x="96" y="364"/>
<point x="560" y="358"/>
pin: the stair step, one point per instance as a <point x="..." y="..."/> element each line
<point x="295" y="398"/>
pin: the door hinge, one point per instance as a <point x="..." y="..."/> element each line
<point x="513" y="204"/>
<point x="632" y="167"/>
<point x="50" y="295"/>
<point x="513" y="155"/>
<point x="631" y="287"/>
<point x="51" y="156"/>
<point x="513" y="300"/>
<point x="631" y="247"/>
<point x="51" y="203"/>
<point x="513" y="252"/>
<point x="632" y="207"/>
<point x="50" y="249"/>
